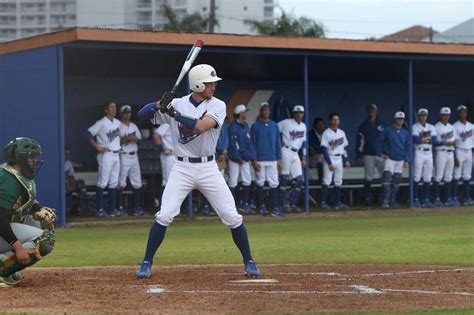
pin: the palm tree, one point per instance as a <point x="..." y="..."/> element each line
<point x="189" y="23"/>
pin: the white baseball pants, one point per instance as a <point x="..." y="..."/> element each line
<point x="109" y="170"/>
<point x="335" y="175"/>
<point x="130" y="167"/>
<point x="444" y="166"/>
<point x="393" y="166"/>
<point x="464" y="169"/>
<point x="268" y="172"/>
<point x="236" y="169"/>
<point x="25" y="233"/>
<point x="290" y="163"/>
<point x="423" y="165"/>
<point x="205" y="177"/>
<point x="166" y="165"/>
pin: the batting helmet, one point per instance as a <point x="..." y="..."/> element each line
<point x="201" y="74"/>
<point x="19" y="150"/>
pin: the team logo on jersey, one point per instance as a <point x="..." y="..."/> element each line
<point x="380" y="128"/>
<point x="185" y="134"/>
<point x="465" y="135"/>
<point x="333" y="144"/>
<point x="295" y="134"/>
<point x="112" y="134"/>
<point x="446" y="136"/>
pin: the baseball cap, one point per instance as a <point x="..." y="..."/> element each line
<point x="125" y="109"/>
<point x="399" y="115"/>
<point x="422" y="111"/>
<point x="462" y="107"/>
<point x="372" y="106"/>
<point x="264" y="104"/>
<point x="298" y="108"/>
<point x="240" y="109"/>
<point x="445" y="111"/>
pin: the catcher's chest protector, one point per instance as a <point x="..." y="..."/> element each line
<point x="27" y="197"/>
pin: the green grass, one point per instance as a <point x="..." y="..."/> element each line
<point x="420" y="238"/>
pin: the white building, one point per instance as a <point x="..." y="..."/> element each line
<point x="23" y="18"/>
<point x="462" y="33"/>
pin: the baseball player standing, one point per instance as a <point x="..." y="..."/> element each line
<point x="107" y="143"/>
<point x="394" y="147"/>
<point x="366" y="143"/>
<point x="464" y="145"/>
<point x="129" y="164"/>
<point x="293" y="136"/>
<point x="195" y="121"/>
<point x="314" y="141"/>
<point x="444" y="158"/>
<point x="241" y="154"/>
<point x="424" y="136"/>
<point x="162" y="138"/>
<point x="334" y="143"/>
<point x="266" y="140"/>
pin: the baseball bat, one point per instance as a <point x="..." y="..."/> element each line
<point x="193" y="53"/>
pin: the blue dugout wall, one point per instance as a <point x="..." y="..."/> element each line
<point x="31" y="105"/>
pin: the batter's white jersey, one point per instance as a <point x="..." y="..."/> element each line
<point x="334" y="141"/>
<point x="464" y="133"/>
<point x="445" y="133"/>
<point x="422" y="131"/>
<point x="293" y="133"/>
<point x="125" y="131"/>
<point x="187" y="142"/>
<point x="165" y="133"/>
<point x="107" y="133"/>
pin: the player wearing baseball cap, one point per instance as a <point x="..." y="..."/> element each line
<point x="241" y="154"/>
<point x="444" y="158"/>
<point x="424" y="136"/>
<point x="463" y="162"/>
<point x="293" y="136"/>
<point x="366" y="143"/>
<point x="393" y="147"/>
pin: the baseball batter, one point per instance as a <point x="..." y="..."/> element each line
<point x="195" y="121"/>
<point x="293" y="137"/>
<point x="266" y="141"/>
<point x="444" y="158"/>
<point x="162" y="138"/>
<point x="366" y="143"/>
<point x="334" y="143"/>
<point x="241" y="154"/>
<point x="464" y="145"/>
<point x="107" y="143"/>
<point x="424" y="136"/>
<point x="129" y="164"/>
<point x="26" y="227"/>
<point x="394" y="147"/>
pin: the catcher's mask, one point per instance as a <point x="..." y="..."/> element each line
<point x="25" y="152"/>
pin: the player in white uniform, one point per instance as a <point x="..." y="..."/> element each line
<point x="107" y="143"/>
<point x="444" y="157"/>
<point x="424" y="135"/>
<point x="129" y="164"/>
<point x="162" y="137"/>
<point x="293" y="137"/>
<point x="334" y="143"/>
<point x="464" y="145"/>
<point x="195" y="121"/>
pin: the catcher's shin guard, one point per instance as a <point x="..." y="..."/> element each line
<point x="44" y="246"/>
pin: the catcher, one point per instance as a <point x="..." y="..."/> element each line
<point x="26" y="227"/>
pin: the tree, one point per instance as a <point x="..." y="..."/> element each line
<point x="288" y="25"/>
<point x="189" y="23"/>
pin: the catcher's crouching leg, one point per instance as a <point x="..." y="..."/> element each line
<point x="44" y="246"/>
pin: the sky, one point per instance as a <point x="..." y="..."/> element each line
<point x="358" y="19"/>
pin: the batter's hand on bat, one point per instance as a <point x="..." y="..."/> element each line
<point x="167" y="97"/>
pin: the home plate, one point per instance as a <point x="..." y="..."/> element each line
<point x="255" y="281"/>
<point x="155" y="289"/>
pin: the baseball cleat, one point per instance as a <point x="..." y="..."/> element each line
<point x="437" y="203"/>
<point x="101" y="213"/>
<point x="341" y="206"/>
<point x="144" y="272"/>
<point x="264" y="210"/>
<point x="137" y="212"/>
<point x="206" y="210"/>
<point x="455" y="202"/>
<point x="416" y="203"/>
<point x="427" y="204"/>
<point x="251" y="269"/>
<point x="467" y="202"/>
<point x="277" y="213"/>
<point x="296" y="209"/>
<point x="394" y="204"/>
<point x="449" y="202"/>
<point x="385" y="205"/>
<point x="11" y="279"/>
<point x="368" y="202"/>
<point x="324" y="206"/>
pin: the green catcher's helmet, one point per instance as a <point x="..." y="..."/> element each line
<point x="19" y="150"/>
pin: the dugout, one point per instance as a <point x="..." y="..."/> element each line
<point x="52" y="86"/>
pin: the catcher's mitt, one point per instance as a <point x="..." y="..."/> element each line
<point x="47" y="218"/>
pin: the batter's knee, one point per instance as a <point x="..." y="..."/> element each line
<point x="232" y="221"/>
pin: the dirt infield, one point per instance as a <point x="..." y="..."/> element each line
<point x="223" y="289"/>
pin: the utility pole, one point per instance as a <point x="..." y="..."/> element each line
<point x="212" y="16"/>
<point x="431" y="34"/>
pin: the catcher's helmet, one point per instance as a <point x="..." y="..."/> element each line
<point x="19" y="150"/>
<point x="201" y="74"/>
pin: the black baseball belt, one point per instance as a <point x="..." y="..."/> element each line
<point x="129" y="153"/>
<point x="195" y="159"/>
<point x="292" y="149"/>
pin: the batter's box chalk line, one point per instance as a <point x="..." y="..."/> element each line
<point x="254" y="281"/>
<point x="155" y="289"/>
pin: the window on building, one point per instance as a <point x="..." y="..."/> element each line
<point x="268" y="12"/>
<point x="245" y="8"/>
<point x="204" y="9"/>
